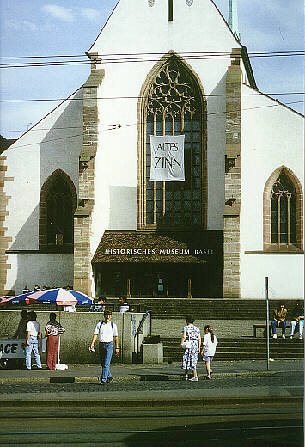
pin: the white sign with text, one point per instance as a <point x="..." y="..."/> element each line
<point x="167" y="158"/>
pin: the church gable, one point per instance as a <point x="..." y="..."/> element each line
<point x="162" y="25"/>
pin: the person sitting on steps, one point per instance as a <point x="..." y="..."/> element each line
<point x="279" y="320"/>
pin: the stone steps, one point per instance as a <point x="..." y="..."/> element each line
<point x="201" y="308"/>
<point x="241" y="349"/>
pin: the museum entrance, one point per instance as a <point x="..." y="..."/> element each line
<point x="157" y="280"/>
<point x="159" y="264"/>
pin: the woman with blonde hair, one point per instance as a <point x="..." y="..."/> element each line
<point x="208" y="349"/>
<point x="190" y="341"/>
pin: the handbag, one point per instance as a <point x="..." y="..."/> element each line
<point x="187" y="344"/>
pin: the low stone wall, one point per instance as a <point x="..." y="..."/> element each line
<point x="222" y="328"/>
<point x="79" y="328"/>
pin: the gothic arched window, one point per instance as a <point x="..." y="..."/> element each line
<point x="283" y="211"/>
<point x="283" y="221"/>
<point x="57" y="206"/>
<point x="174" y="105"/>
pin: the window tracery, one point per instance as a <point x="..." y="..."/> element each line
<point x="283" y="211"/>
<point x="174" y="105"/>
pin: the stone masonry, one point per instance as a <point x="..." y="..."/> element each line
<point x="86" y="194"/>
<point x="231" y="234"/>
<point x="4" y="240"/>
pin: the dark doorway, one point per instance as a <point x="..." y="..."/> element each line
<point x="157" y="280"/>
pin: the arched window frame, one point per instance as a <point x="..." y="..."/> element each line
<point x="142" y="121"/>
<point x="43" y="224"/>
<point x="283" y="247"/>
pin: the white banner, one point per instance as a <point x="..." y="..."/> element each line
<point x="167" y="158"/>
<point x="12" y="349"/>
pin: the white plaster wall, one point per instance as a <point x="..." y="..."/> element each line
<point x="285" y="273"/>
<point x="23" y="162"/>
<point x="134" y="27"/>
<point x="53" y="143"/>
<point x="43" y="269"/>
<point x="272" y="136"/>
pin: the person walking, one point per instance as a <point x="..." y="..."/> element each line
<point x="107" y="332"/>
<point x="190" y="341"/>
<point x="32" y="333"/>
<point x="208" y="349"/>
<point x="53" y="330"/>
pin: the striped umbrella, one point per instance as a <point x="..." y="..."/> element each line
<point x="61" y="297"/>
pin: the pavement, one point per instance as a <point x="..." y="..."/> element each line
<point x="139" y="385"/>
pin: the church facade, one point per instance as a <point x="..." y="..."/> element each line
<point x="77" y="203"/>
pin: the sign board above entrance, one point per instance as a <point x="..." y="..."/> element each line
<point x="167" y="158"/>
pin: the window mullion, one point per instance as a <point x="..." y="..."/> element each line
<point x="279" y="219"/>
<point x="154" y="187"/>
<point x="163" y="183"/>
<point x="288" y="218"/>
<point x="182" y="211"/>
<point x="191" y="163"/>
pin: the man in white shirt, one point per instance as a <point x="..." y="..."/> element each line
<point x="107" y="332"/>
<point x="32" y="332"/>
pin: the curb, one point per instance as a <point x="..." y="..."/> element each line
<point x="138" y="377"/>
<point x="190" y="403"/>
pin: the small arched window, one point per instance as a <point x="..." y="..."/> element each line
<point x="57" y="206"/>
<point x="283" y="211"/>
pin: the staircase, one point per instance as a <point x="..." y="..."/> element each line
<point x="241" y="349"/>
<point x="232" y="320"/>
<point x="203" y="308"/>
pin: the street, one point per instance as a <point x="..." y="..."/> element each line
<point x="241" y="426"/>
<point x="250" y="409"/>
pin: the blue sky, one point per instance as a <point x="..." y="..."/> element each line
<point x="69" y="27"/>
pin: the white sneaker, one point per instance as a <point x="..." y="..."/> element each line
<point x="300" y="337"/>
<point x="291" y="337"/>
<point x="194" y="379"/>
<point x="274" y="336"/>
<point x="283" y="336"/>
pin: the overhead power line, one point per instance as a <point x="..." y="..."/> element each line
<point x="120" y="58"/>
<point x="105" y="98"/>
<point x="112" y="127"/>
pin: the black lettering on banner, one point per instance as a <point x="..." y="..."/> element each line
<point x="166" y="161"/>
<point x="7" y="348"/>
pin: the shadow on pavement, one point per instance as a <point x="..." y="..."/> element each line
<point x="266" y="433"/>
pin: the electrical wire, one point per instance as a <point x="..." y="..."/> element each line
<point x="120" y="58"/>
<point x="104" y="98"/>
<point x="112" y="127"/>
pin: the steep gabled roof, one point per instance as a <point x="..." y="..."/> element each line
<point x="211" y="1"/>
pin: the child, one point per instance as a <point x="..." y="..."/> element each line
<point x="208" y="349"/>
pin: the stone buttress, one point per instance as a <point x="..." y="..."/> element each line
<point x="86" y="193"/>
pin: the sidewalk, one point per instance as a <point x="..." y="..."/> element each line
<point x="155" y="385"/>
<point x="135" y="371"/>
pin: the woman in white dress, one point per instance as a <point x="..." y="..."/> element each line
<point x="208" y="349"/>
